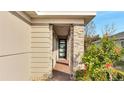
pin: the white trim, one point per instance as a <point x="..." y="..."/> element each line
<point x="65" y="13"/>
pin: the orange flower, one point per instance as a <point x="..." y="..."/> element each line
<point x="108" y="65"/>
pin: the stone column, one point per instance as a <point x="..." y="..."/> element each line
<point x="78" y="45"/>
<point x="71" y="49"/>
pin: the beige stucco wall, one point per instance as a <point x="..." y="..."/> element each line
<point x="14" y="48"/>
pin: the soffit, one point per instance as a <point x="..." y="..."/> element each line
<point x="61" y="14"/>
<point x="87" y="16"/>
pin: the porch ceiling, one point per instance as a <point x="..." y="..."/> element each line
<point x="61" y="31"/>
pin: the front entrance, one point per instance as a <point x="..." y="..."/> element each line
<point x="62" y="48"/>
<point x="61" y="69"/>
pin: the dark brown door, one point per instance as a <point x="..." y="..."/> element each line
<point x="62" y="48"/>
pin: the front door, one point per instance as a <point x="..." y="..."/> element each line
<point x="62" y="48"/>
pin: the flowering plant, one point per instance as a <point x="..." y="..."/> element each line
<point x="108" y="65"/>
<point x="100" y="59"/>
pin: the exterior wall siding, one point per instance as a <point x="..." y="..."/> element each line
<point x="41" y="62"/>
<point x="71" y="48"/>
<point x="14" y="48"/>
<point x="118" y="43"/>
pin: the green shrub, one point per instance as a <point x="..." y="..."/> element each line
<point x="99" y="61"/>
<point x="80" y="74"/>
<point x="117" y="75"/>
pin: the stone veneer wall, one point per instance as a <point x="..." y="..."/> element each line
<point x="78" y="45"/>
<point x="71" y="48"/>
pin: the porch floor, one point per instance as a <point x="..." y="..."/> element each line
<point x="61" y="71"/>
